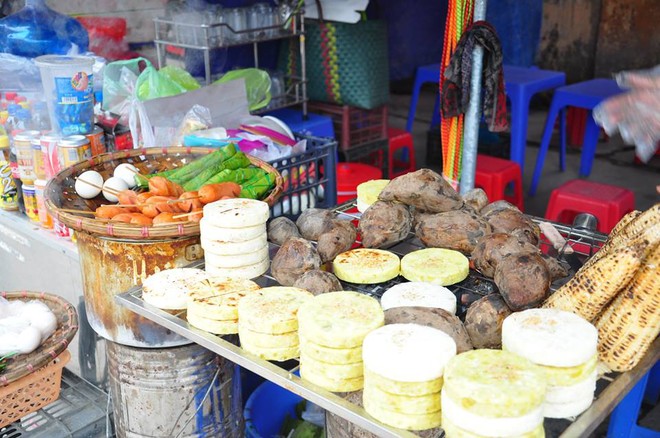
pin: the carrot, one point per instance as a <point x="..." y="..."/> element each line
<point x="165" y="218"/>
<point x="108" y="211"/>
<point x="214" y="192"/>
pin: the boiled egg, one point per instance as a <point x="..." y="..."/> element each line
<point x="88" y="184"/>
<point x="126" y="172"/>
<point x="112" y="186"/>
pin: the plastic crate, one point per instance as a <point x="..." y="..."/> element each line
<point x="310" y="178"/>
<point x="354" y="126"/>
<point x="374" y="154"/>
<point x="81" y="411"/>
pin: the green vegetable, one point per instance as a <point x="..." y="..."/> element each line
<point x="256" y="187"/>
<point x="238" y="161"/>
<point x="239" y="176"/>
<point x="200" y="179"/>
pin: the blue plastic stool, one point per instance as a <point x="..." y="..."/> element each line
<point x="585" y="95"/>
<point x="316" y="125"/>
<point x="521" y="84"/>
<point x="623" y="420"/>
<point x="424" y="74"/>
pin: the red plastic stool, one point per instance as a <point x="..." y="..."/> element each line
<point x="494" y="174"/>
<point x="400" y="140"/>
<point x="608" y="203"/>
<point x="350" y="175"/>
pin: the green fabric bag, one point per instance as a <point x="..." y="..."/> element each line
<point x="346" y="63"/>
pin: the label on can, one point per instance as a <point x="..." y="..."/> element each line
<point x="24" y="161"/>
<point x="8" y="192"/>
<point x="44" y="217"/>
<point x="38" y="160"/>
<point x="30" y="202"/>
<point x="72" y="150"/>
<point x="49" y="154"/>
<point x="97" y="141"/>
<point x="74" y="104"/>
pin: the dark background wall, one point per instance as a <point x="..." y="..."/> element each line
<point x="595" y="38"/>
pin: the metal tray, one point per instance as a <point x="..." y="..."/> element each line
<point x="610" y="390"/>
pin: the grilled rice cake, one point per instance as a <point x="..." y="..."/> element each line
<point x="277" y="354"/>
<point x="339" y="319"/>
<point x="168" y="289"/>
<point x="272" y="309"/>
<point x="366" y="266"/>
<point x="226" y="327"/>
<point x="333" y="385"/>
<point x="218" y="297"/>
<point x="401" y="420"/>
<point x="404" y="404"/>
<point x="435" y="265"/>
<point x="330" y="355"/>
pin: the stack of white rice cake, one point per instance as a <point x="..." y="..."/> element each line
<point x="421" y="294"/>
<point x="213" y="303"/>
<point x="492" y="393"/>
<point x="268" y="322"/>
<point x="563" y="345"/>
<point x="403" y="369"/>
<point x="233" y="235"/>
<point x="332" y="329"/>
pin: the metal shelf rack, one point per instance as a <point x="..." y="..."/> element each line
<point x="611" y="388"/>
<point x="207" y="37"/>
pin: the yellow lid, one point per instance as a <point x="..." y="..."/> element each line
<point x="24" y="105"/>
<point x="4" y="141"/>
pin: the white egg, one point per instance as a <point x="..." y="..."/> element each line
<point x="126" y="172"/>
<point x="88" y="184"/>
<point x="112" y="186"/>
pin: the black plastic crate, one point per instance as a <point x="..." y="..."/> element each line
<point x="310" y="178"/>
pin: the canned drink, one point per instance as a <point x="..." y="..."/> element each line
<point x="50" y="155"/>
<point x="96" y="141"/>
<point x="8" y="192"/>
<point x="30" y="201"/>
<point x="38" y="159"/>
<point x="45" y="219"/>
<point x="24" y="158"/>
<point x="73" y="149"/>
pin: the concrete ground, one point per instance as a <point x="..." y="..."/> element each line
<point x="614" y="164"/>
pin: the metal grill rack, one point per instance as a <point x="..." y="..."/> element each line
<point x="172" y="35"/>
<point x="611" y="388"/>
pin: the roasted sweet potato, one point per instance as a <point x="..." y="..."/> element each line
<point x="523" y="280"/>
<point x="458" y="230"/>
<point x="484" y="319"/>
<point x="423" y="189"/>
<point x="476" y="198"/>
<point x="315" y="221"/>
<point x="318" y="282"/>
<point x="384" y="224"/>
<point x="280" y="229"/>
<point x="295" y="257"/>
<point x="339" y="238"/>
<point x="491" y="248"/>
<point x="514" y="222"/>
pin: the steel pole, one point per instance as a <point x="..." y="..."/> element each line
<point x="471" y="127"/>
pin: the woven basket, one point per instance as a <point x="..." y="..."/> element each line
<point x="67" y="326"/>
<point x="32" y="392"/>
<point x="60" y="193"/>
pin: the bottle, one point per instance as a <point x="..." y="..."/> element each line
<point x="8" y="194"/>
<point x="40" y="118"/>
<point x="23" y="120"/>
<point x="38" y="30"/>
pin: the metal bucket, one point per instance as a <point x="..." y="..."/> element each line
<point x="162" y="392"/>
<point x="112" y="266"/>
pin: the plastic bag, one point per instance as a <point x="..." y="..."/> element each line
<point x="120" y="97"/>
<point x="168" y="81"/>
<point x="636" y="113"/>
<point x="19" y="73"/>
<point x="197" y="119"/>
<point x="257" y="85"/>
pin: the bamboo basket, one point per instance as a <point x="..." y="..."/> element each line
<point x="67" y="326"/>
<point x="60" y="194"/>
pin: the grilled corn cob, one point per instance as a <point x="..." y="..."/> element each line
<point x="631" y="321"/>
<point x="593" y="286"/>
<point x="624" y="221"/>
